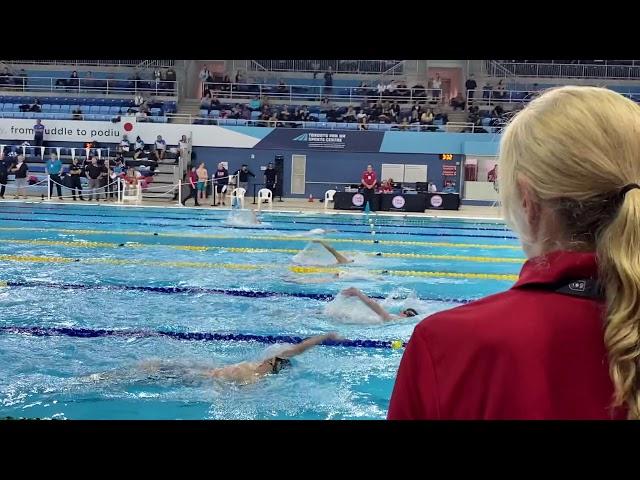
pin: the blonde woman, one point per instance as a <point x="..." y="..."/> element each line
<point x="203" y="177"/>
<point x="564" y="341"/>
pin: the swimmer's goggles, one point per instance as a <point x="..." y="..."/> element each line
<point x="278" y="364"/>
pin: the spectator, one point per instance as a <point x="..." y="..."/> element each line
<point x="361" y="117"/>
<point x="369" y="181"/>
<point x="436" y="84"/>
<point x="95" y="173"/>
<point x="75" y="172"/>
<point x="38" y="133"/>
<point x="500" y="91"/>
<point x="161" y="148"/>
<point x="458" y="102"/>
<point x="138" y="147"/>
<point x="487" y="90"/>
<point x="203" y="180"/>
<point x="5" y="167"/>
<point x="396" y="110"/>
<point x="304" y="114"/>
<point x="243" y="176"/>
<point x="470" y="85"/>
<point x="328" y="80"/>
<point x="273" y="120"/>
<point x="192" y="181"/>
<point x="325" y="105"/>
<point x="282" y="88"/>
<point x="255" y="104"/>
<point x="221" y="182"/>
<point x="77" y="113"/>
<point x="350" y="115"/>
<point x="415" y="115"/>
<point x="157" y="75"/>
<point x="138" y="100"/>
<point x="270" y="178"/>
<point x="183" y="148"/>
<point x="427" y="117"/>
<point x="226" y="83"/>
<point x="432" y="187"/>
<point x="418" y="91"/>
<point x="284" y="114"/>
<point x="204" y="74"/>
<point x="20" y="170"/>
<point x="53" y="168"/>
<point x="170" y="75"/>
<point x="239" y="77"/>
<point x="5" y="76"/>
<point x="125" y="145"/>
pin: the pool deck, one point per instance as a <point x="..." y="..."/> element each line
<point x="295" y="205"/>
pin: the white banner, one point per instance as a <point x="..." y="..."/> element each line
<point x="18" y="129"/>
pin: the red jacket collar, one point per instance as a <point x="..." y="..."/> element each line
<point x="557" y="267"/>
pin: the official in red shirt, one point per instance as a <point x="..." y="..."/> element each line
<point x="369" y="181"/>
<point x="564" y="341"/>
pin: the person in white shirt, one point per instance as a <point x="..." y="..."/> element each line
<point x="436" y="84"/>
<point x="433" y="188"/>
<point x="161" y="147"/>
<point x="124" y="146"/>
<point x="139" y="147"/>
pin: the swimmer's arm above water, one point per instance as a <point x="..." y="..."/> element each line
<point x="371" y="303"/>
<point x="339" y="257"/>
<point x="307" y="344"/>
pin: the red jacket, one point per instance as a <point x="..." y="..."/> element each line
<point x="525" y="353"/>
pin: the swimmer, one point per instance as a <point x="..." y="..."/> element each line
<point x="338" y="256"/>
<point x="241" y="373"/>
<point x="375" y="306"/>
<point x="321" y="231"/>
<point x="243" y="218"/>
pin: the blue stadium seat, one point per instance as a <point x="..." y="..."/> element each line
<point x="114" y="109"/>
<point x="104" y="109"/>
<point x="255" y="115"/>
<point x="65" y="108"/>
<point x="94" y="109"/>
<point x="215" y="113"/>
<point x="203" y="112"/>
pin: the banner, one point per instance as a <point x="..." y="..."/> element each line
<point x="318" y="139"/>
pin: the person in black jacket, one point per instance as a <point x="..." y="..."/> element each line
<point x="243" y="176"/>
<point x="271" y="178"/>
<point x="6" y="164"/>
<point x="75" y="172"/>
<point x="20" y="170"/>
<point x="470" y="85"/>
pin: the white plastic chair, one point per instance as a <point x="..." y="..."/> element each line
<point x="328" y="197"/>
<point x="265" y="194"/>
<point x="238" y="193"/>
<point x="131" y="192"/>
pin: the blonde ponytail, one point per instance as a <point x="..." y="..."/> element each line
<point x="618" y="249"/>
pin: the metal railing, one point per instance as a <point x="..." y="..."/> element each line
<point x="387" y="67"/>
<point x="87" y="85"/>
<point x="103" y="63"/>
<point x="312" y="93"/>
<point x="557" y="70"/>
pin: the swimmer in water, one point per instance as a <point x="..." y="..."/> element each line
<point x="338" y="256"/>
<point x="375" y="306"/>
<point x="242" y="373"/>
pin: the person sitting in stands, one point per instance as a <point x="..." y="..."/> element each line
<point x="255" y="104"/>
<point x="350" y="116"/>
<point x="161" y="148"/>
<point x="139" y="148"/>
<point x="77" y="113"/>
<point x="458" y="102"/>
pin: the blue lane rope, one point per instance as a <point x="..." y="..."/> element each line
<point x="499" y="237"/>
<point x="267" y="217"/>
<point x="190" y="336"/>
<point x="235" y="293"/>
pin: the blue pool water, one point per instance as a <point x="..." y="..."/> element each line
<point x="89" y="287"/>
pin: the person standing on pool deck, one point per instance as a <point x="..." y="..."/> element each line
<point x="203" y="177"/>
<point x="20" y="170"/>
<point x="75" y="172"/>
<point x="222" y="181"/>
<point x="192" y="177"/>
<point x="38" y="133"/>
<point x="270" y="179"/>
<point x="564" y="341"/>
<point x="53" y="168"/>
<point x="5" y="166"/>
<point x="369" y="181"/>
<point x="243" y="176"/>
